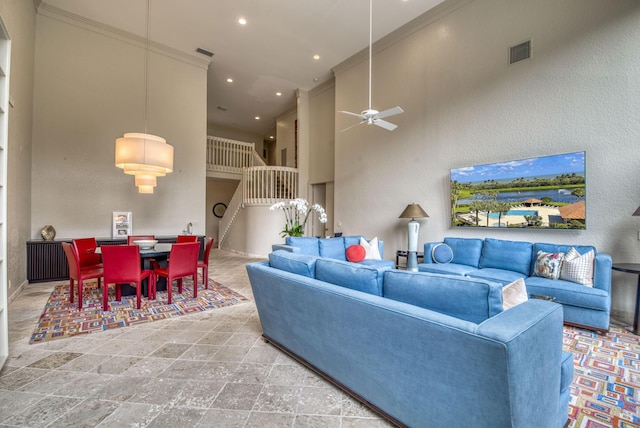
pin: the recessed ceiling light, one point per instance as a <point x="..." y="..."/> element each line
<point x="271" y="137"/>
<point x="242" y="21"/>
<point x="279" y="94"/>
<point x="315" y="79"/>
<point x="316" y="57"/>
<point x="257" y="118"/>
<point x="229" y="80"/>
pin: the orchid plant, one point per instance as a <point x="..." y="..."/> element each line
<point x="296" y="213"/>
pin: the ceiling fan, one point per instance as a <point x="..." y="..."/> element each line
<point x="371" y="116"/>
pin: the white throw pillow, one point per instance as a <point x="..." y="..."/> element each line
<point x="513" y="294"/>
<point x="578" y="268"/>
<point x="371" y="247"/>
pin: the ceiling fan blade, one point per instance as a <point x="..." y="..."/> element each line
<point x="351" y="114"/>
<point x="353" y="126"/>
<point x="390" y="112"/>
<point x="384" y="124"/>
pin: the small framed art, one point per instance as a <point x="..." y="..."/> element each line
<point x="122" y="226"/>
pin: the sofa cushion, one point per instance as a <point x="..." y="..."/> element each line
<point x="514" y="293"/>
<point x="570" y="293"/>
<point x="333" y="248"/>
<point x="509" y="255"/>
<point x="359" y="277"/>
<point x="297" y="263"/>
<point x="466" y="251"/>
<point x="356" y="253"/>
<point x="548" y="264"/>
<point x="371" y="248"/>
<point x="578" y="268"/>
<point x="496" y="275"/>
<point x="442" y="253"/>
<point x="446" y="268"/>
<point x="469" y="299"/>
<point x="308" y="245"/>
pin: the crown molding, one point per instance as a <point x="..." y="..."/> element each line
<point x="443" y="9"/>
<point x="49" y="11"/>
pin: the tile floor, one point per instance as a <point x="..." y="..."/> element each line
<point x="209" y="369"/>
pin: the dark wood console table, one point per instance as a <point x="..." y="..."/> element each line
<point x="46" y="260"/>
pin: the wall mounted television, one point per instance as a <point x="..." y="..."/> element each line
<point x="547" y="192"/>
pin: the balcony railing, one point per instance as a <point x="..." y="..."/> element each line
<point x="231" y="156"/>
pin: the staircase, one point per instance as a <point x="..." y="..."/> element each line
<point x="260" y="184"/>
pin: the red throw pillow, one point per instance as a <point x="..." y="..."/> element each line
<point x="356" y="253"/>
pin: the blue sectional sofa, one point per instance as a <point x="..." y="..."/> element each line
<point x="505" y="261"/>
<point x="424" y="350"/>
<point x="333" y="248"/>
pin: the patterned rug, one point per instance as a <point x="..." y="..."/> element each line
<point x="61" y="319"/>
<point x="606" y="382"/>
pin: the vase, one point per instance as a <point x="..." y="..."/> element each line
<point x="48" y="233"/>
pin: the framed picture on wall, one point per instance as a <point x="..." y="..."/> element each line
<point x="122" y="226"/>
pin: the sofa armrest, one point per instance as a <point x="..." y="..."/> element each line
<point x="602" y="272"/>
<point x="289" y="248"/>
<point x="428" y="248"/>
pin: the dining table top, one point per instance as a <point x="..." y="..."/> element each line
<point x="160" y="249"/>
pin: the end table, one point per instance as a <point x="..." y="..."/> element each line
<point x="405" y="255"/>
<point x="633" y="268"/>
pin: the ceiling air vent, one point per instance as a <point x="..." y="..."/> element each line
<point x="520" y="52"/>
<point x="221" y="108"/>
<point x="204" y="52"/>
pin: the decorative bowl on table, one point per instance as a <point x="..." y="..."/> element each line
<point x="145" y="244"/>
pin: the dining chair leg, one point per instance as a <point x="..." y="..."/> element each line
<point x="138" y="286"/>
<point x="71" y="292"/>
<point x="169" y="287"/>
<point x="195" y="285"/>
<point x="79" y="294"/>
<point x="205" y="276"/>
<point x="105" y="297"/>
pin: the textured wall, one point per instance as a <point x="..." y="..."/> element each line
<point x="89" y="90"/>
<point x="465" y="105"/>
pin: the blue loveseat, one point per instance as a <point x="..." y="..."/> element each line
<point x="425" y="350"/>
<point x="505" y="261"/>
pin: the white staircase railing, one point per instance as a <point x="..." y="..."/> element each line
<point x="226" y="155"/>
<point x="265" y="185"/>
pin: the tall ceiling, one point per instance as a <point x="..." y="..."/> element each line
<point x="272" y="53"/>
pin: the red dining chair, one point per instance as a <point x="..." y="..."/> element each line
<point x="76" y="273"/>
<point x="122" y="266"/>
<point x="183" y="263"/>
<point x="86" y="249"/>
<point x="204" y="263"/>
<point x="131" y="239"/>
<point x="181" y="239"/>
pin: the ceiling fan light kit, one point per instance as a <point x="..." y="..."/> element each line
<point x="371" y="116"/>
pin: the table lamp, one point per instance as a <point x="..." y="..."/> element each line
<point x="413" y="211"/>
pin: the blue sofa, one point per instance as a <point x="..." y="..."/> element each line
<point x="424" y="350"/>
<point x="505" y="261"/>
<point x="333" y="248"/>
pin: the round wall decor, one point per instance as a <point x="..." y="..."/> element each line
<point x="219" y="209"/>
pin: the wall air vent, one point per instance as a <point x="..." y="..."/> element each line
<point x="204" y="52"/>
<point x="520" y="52"/>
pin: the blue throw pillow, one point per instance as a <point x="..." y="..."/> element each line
<point x="442" y="253"/>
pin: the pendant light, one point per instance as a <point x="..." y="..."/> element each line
<point x="144" y="155"/>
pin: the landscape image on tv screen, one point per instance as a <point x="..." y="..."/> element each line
<point x="545" y="192"/>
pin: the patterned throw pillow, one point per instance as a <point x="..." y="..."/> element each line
<point x="578" y="268"/>
<point x="513" y="294"/>
<point x="548" y="265"/>
<point x="442" y="253"/>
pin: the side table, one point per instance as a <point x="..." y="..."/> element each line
<point x="633" y="268"/>
<point x="404" y="254"/>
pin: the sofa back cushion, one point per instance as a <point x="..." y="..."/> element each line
<point x="307" y="245"/>
<point x="508" y="255"/>
<point x="333" y="248"/>
<point x="473" y="300"/>
<point x="297" y="263"/>
<point x="466" y="251"/>
<point x="359" y="277"/>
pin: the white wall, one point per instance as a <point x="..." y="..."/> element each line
<point x="465" y="106"/>
<point x="20" y="19"/>
<point x="89" y="90"/>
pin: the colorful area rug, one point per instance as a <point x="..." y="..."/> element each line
<point x="61" y="319"/>
<point x="606" y="382"/>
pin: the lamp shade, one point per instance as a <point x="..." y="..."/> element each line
<point x="413" y="211"/>
<point x="636" y="212"/>
<point x="137" y="152"/>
